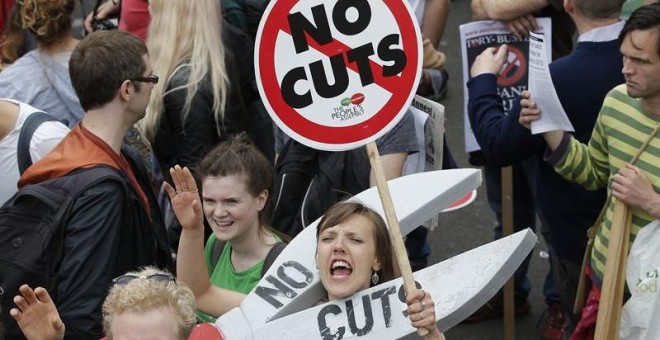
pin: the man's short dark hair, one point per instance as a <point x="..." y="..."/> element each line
<point x="599" y="9"/>
<point x="101" y="62"/>
<point x="643" y="19"/>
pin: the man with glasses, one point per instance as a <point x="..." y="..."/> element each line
<point x="113" y="227"/>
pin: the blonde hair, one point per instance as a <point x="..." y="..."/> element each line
<point x="185" y="33"/>
<point x="142" y="295"/>
<point x="49" y="20"/>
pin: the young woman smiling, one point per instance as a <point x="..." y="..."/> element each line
<point x="235" y="179"/>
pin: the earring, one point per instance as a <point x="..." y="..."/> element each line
<point x="375" y="278"/>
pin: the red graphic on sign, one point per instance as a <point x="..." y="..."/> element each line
<point x="514" y="69"/>
<point x="401" y="85"/>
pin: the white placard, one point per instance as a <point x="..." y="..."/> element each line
<point x="553" y="116"/>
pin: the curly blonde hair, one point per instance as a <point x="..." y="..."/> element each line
<point x="141" y="295"/>
<point x="49" y="20"/>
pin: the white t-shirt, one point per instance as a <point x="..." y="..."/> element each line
<point x="418" y="8"/>
<point x="45" y="138"/>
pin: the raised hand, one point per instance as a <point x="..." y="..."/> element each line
<point x="185" y="199"/>
<point x="36" y="314"/>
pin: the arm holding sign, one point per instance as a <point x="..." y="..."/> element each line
<point x="587" y="165"/>
<point x="529" y="113"/>
<point x="633" y="187"/>
<point x="503" y="141"/>
<point x="191" y="268"/>
<point x="421" y="312"/>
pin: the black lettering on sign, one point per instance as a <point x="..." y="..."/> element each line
<point x="352" y="318"/>
<point x="281" y="289"/>
<point x="295" y="100"/>
<point x="368" y="317"/>
<point x="319" y="30"/>
<point x="387" y="54"/>
<point x="341" y="22"/>
<point x="320" y="80"/>
<point x="301" y="269"/>
<point x="300" y="25"/>
<point x="360" y="55"/>
<point x="402" y="296"/>
<point x="384" y="296"/>
<point x="326" y="333"/>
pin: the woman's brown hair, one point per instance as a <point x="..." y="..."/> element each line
<point x="239" y="156"/>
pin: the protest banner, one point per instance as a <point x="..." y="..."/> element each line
<point x="479" y="35"/>
<point x="292" y="283"/>
<point x="336" y="76"/>
<point x="459" y="286"/>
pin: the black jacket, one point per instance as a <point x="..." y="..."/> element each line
<point x="108" y="235"/>
<point x="186" y="143"/>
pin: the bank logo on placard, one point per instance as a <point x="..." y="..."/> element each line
<point x="337" y="74"/>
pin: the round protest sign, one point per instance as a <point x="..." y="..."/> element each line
<point x="336" y="75"/>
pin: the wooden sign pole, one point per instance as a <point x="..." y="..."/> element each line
<point x="614" y="278"/>
<point x="507" y="229"/>
<point x="392" y="222"/>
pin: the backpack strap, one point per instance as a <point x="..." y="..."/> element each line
<point x="218" y="246"/>
<point x="32" y="122"/>
<point x="273" y="253"/>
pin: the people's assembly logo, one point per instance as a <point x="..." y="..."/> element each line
<point x="514" y="68"/>
<point x="350" y="108"/>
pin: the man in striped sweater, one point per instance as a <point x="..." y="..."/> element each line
<point x="629" y="115"/>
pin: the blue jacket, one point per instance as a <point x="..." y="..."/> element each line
<point x="582" y="79"/>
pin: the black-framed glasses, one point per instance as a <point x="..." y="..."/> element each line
<point x="148" y="79"/>
<point x="158" y="277"/>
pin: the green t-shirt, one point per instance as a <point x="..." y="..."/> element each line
<point x="224" y="275"/>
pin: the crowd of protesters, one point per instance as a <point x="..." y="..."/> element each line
<point x="169" y="102"/>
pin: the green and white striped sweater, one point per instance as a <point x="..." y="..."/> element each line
<point x="622" y="127"/>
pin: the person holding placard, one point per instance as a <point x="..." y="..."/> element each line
<point x="582" y="79"/>
<point x="627" y="121"/>
<point x="354" y="252"/>
<point x="519" y="16"/>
